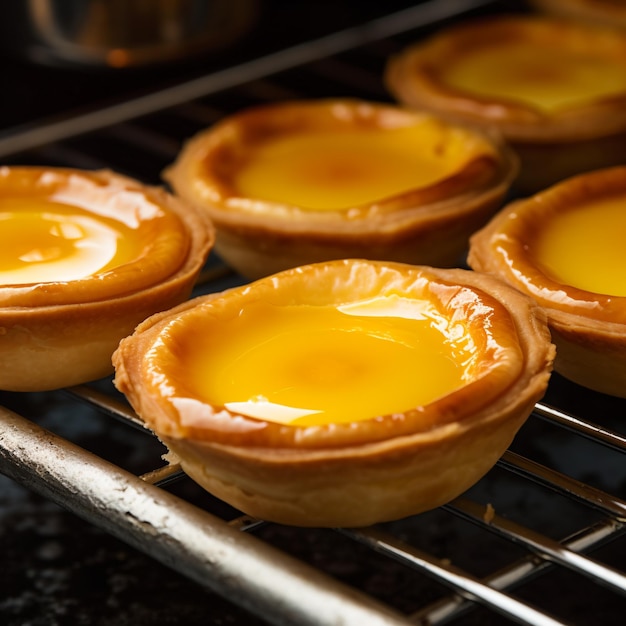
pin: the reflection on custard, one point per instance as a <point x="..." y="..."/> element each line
<point x="329" y="170"/>
<point x="45" y="241"/>
<point x="549" y="80"/>
<point x="585" y="247"/>
<point x="305" y="365"/>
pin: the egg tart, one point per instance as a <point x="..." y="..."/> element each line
<point x="300" y="182"/>
<point x="565" y="248"/>
<point x="604" y="12"/>
<point x="84" y="257"/>
<point x="555" y="89"/>
<point x="341" y="393"/>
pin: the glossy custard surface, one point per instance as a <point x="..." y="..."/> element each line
<point x="305" y="365"/>
<point x="546" y="78"/>
<point x="46" y="241"/>
<point x="330" y="170"/>
<point x="585" y="247"/>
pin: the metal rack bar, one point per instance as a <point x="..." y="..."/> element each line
<point x="581" y="427"/>
<point x="605" y="502"/>
<point x="301" y="54"/>
<point x="547" y="551"/>
<point x="462" y="582"/>
<point x="191" y="541"/>
<point x="454" y="606"/>
<point x="542" y="546"/>
<point x="108" y="404"/>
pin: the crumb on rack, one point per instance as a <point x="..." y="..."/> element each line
<point x="171" y="458"/>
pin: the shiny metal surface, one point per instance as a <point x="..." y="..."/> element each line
<point x="121" y="33"/>
<point x="178" y="534"/>
<point x="465" y="585"/>
<point x="456" y="606"/>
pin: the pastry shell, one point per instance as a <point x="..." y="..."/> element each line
<point x="60" y="333"/>
<point x="361" y="472"/>
<point x="552" y="143"/>
<point x="604" y="12"/>
<point x="588" y="329"/>
<point x="429" y="224"/>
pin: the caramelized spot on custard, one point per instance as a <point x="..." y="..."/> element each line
<point x="585" y="247"/>
<point x="330" y="170"/>
<point x="45" y="241"/>
<point x="547" y="79"/>
<point x="309" y="365"/>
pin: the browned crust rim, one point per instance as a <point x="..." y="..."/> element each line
<point x="394" y="216"/>
<point x="465" y="409"/>
<point x="517" y="222"/>
<point x="607" y="12"/>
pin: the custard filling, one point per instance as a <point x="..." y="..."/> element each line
<point x="545" y="78"/>
<point x="585" y="247"/>
<point x="46" y="241"/>
<point x="329" y="170"/>
<point x="308" y="365"/>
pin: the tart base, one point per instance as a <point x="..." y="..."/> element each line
<point x="52" y="347"/>
<point x="589" y="357"/>
<point x="382" y="482"/>
<point x="440" y="242"/>
<point x="543" y="164"/>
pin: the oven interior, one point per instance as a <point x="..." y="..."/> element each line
<point x="95" y="528"/>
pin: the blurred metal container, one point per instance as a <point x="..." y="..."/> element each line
<point x="121" y="33"/>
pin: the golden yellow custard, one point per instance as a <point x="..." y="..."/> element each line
<point x="584" y="246"/>
<point x="44" y="241"/>
<point x="304" y="364"/>
<point x="347" y="169"/>
<point x="299" y="182"/>
<point x="565" y="248"/>
<point x="340" y="393"/>
<point x="521" y="72"/>
<point x="85" y="256"/>
<point x="555" y="89"/>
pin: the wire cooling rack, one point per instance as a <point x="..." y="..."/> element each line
<point x="540" y="540"/>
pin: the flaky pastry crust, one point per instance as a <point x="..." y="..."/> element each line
<point x="551" y="144"/>
<point x="353" y="474"/>
<point x="56" y="334"/>
<point x="589" y="329"/>
<point x="427" y="225"/>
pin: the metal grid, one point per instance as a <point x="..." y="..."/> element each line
<point x="554" y="498"/>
